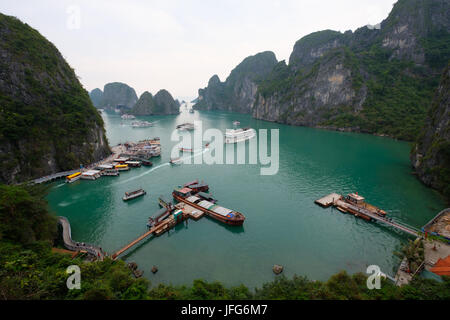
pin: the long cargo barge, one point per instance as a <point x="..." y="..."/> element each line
<point x="216" y="212"/>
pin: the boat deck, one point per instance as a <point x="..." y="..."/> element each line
<point x="192" y="212"/>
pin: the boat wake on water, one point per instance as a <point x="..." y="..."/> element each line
<point x="160" y="166"/>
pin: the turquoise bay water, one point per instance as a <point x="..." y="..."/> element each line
<point x="283" y="224"/>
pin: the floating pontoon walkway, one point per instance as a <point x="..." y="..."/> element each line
<point x="355" y="210"/>
<point x="78" y="246"/>
<point x="188" y="213"/>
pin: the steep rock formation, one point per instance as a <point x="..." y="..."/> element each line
<point x="373" y="80"/>
<point x="144" y="106"/>
<point x="96" y="96"/>
<point x="431" y="155"/>
<point x="118" y="95"/>
<point x="47" y="121"/>
<point x="238" y="92"/>
<point x="164" y="104"/>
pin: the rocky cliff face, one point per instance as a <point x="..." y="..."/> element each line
<point x="47" y="121"/>
<point x="161" y="104"/>
<point x="164" y="104"/>
<point x="238" y="92"/>
<point x="96" y="96"/>
<point x="373" y="80"/>
<point x="431" y="155"/>
<point x="144" y="106"/>
<point x="376" y="81"/>
<point x="118" y="95"/>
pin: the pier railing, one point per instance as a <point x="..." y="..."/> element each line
<point x="72" y="245"/>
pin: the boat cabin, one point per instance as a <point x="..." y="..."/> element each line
<point x="355" y="198"/>
<point x="121" y="160"/>
<point x="183" y="192"/>
<point x="90" y="175"/>
<point x="105" y="167"/>
<point x="206" y="197"/>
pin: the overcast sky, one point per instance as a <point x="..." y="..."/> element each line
<point x="179" y="44"/>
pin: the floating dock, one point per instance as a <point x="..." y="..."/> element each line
<point x="365" y="212"/>
<point x="328" y="200"/>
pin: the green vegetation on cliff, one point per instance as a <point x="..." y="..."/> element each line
<point x="47" y="121"/>
<point x="30" y="270"/>
<point x="431" y="154"/>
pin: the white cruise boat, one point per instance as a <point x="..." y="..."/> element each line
<point x="238" y="135"/>
<point x="128" y="117"/>
<point x="141" y="124"/>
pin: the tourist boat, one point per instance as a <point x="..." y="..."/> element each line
<point x="359" y="201"/>
<point x="176" y="161"/>
<point x="90" y="175"/>
<point x="134" y="194"/>
<point x="159" y="217"/>
<point x="122" y="167"/>
<point x="122" y="160"/>
<point x="164" y="203"/>
<point x="186" y="127"/>
<point x="133" y="164"/>
<point x="216" y="212"/>
<point x="146" y="163"/>
<point x="196" y="186"/>
<point x="110" y="172"/>
<point x="190" y="183"/>
<point x="128" y="117"/>
<point x="239" y="135"/>
<point x="188" y="150"/>
<point x="73" y="177"/>
<point x="141" y="124"/>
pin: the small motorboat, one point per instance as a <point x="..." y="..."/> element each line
<point x="176" y="161"/>
<point x="236" y="123"/>
<point x="134" y="194"/>
<point x="189" y="150"/>
<point x="147" y="163"/>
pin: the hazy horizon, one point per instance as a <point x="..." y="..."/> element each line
<point x="179" y="45"/>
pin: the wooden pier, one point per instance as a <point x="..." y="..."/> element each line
<point x="78" y="246"/>
<point x="328" y="200"/>
<point x="167" y="224"/>
<point x="366" y="214"/>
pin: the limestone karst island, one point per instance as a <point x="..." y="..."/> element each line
<point x="241" y="151"/>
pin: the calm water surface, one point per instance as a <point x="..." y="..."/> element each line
<point x="283" y="224"/>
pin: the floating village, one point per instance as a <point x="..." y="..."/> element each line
<point x="192" y="200"/>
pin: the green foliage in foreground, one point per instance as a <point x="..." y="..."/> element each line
<point x="30" y="270"/>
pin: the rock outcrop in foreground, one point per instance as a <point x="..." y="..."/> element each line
<point x="47" y="121"/>
<point x="431" y="155"/>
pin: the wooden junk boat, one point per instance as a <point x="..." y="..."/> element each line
<point x="134" y="194"/>
<point x="175" y="161"/>
<point x="360" y="202"/>
<point x="224" y="215"/>
<point x="196" y="186"/>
